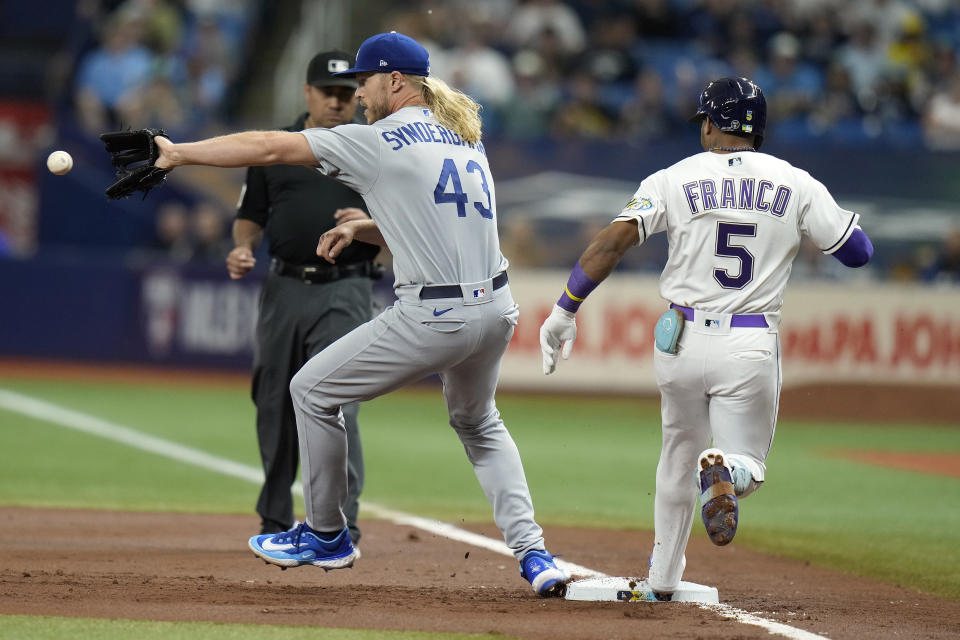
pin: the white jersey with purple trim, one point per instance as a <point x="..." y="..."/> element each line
<point x="734" y="223"/>
<point x="430" y="193"/>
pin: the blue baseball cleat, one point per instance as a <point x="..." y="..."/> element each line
<point x="720" y="510"/>
<point x="537" y="568"/>
<point x="302" y="545"/>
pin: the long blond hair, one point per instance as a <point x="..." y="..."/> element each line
<point x="453" y="109"/>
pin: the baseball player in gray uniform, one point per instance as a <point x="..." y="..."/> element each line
<point x="734" y="219"/>
<point x="421" y="169"/>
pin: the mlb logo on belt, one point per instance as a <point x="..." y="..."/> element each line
<point x="479" y="293"/>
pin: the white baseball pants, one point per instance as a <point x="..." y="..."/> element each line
<point x="724" y="385"/>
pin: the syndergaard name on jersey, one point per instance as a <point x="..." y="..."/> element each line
<point x="418" y="132"/>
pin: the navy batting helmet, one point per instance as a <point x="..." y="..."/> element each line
<point x="734" y="105"/>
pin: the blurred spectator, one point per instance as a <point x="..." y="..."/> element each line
<point x="173" y="231"/>
<point x="480" y="71"/>
<point x="608" y="58"/>
<point x="744" y="62"/>
<point x="836" y="104"/>
<point x="209" y="225"/>
<point x="946" y="263"/>
<point x="167" y="63"/>
<point x="209" y="67"/>
<point x="521" y="243"/>
<point x="865" y="59"/>
<point x="534" y="18"/>
<point x="821" y="39"/>
<point x="581" y="115"/>
<point x="200" y="233"/>
<point x="111" y="78"/>
<point x="709" y="24"/>
<point x="886" y="16"/>
<point x="656" y="18"/>
<point x="942" y="118"/>
<point x="162" y="22"/>
<point x="537" y="95"/>
<point x="646" y="115"/>
<point x="790" y="84"/>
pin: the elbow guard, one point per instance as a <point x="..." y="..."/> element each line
<point x="856" y="251"/>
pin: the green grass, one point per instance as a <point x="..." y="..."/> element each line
<point x="48" y="465"/>
<point x="589" y="462"/>
<point x="55" y="628"/>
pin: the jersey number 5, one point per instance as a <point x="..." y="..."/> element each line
<point x="448" y="175"/>
<point x="724" y="248"/>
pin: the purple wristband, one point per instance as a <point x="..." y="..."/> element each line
<point x="579" y="286"/>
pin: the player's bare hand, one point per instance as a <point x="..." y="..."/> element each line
<point x="166" y="159"/>
<point x="334" y="241"/>
<point x="239" y="262"/>
<point x="347" y="214"/>
<point x="557" y="334"/>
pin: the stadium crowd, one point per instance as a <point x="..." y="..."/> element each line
<point x="608" y="69"/>
<point x="158" y="62"/>
<point x="630" y="69"/>
<point x="865" y="73"/>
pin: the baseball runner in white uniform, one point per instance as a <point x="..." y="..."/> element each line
<point x="734" y="219"/>
<point x="423" y="173"/>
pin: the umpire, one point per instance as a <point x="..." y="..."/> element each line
<point x="306" y="303"/>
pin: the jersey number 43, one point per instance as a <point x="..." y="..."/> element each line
<point x="449" y="175"/>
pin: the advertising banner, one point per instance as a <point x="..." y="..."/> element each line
<point x="830" y="332"/>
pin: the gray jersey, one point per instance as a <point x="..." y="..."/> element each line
<point x="430" y="193"/>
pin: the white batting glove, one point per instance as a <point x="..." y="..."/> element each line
<point x="557" y="334"/>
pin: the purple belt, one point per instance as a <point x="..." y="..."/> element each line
<point x="739" y="320"/>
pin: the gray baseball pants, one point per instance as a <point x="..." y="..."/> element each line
<point x="298" y="320"/>
<point x="463" y="343"/>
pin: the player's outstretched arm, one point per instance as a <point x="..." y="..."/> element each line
<point x="247" y="149"/>
<point x="559" y="330"/>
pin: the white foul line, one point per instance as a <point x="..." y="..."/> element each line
<point x="60" y="416"/>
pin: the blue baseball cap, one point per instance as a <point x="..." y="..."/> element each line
<point x="390" y="52"/>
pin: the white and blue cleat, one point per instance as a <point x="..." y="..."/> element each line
<point x="302" y="545"/>
<point x="538" y="568"/>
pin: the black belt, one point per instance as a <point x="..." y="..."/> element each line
<point x="320" y="273"/>
<point x="455" y="290"/>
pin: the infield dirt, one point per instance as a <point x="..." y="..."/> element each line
<point x="196" y="567"/>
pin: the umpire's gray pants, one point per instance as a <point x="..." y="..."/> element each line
<point x="405" y="343"/>
<point x="298" y="320"/>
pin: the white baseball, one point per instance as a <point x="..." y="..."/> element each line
<point x="59" y="162"/>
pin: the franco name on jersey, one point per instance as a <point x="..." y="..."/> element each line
<point x="764" y="196"/>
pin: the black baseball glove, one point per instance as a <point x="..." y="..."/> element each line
<point x="133" y="154"/>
